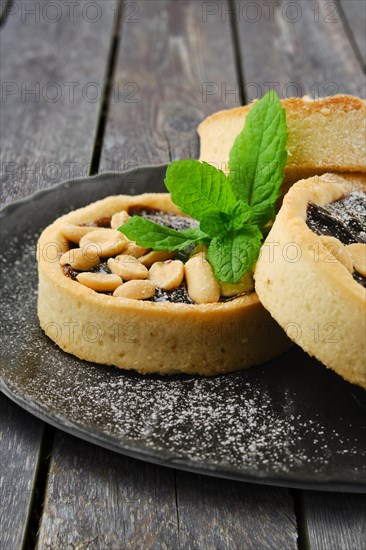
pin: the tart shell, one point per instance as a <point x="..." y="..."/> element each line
<point x="324" y="135"/>
<point x="149" y="337"/>
<point x="311" y="295"/>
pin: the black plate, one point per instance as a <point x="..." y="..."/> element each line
<point x="289" y="422"/>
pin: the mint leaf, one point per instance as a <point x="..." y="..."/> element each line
<point x="240" y="214"/>
<point x="233" y="211"/>
<point x="215" y="223"/>
<point x="198" y="188"/>
<point x="258" y="157"/>
<point x="232" y="254"/>
<point x="158" y="237"/>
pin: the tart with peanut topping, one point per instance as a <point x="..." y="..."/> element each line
<point x="163" y="283"/>
<point x="311" y="274"/>
<point x="110" y="301"/>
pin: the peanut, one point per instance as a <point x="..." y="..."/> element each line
<point x="80" y="259"/>
<point x="128" y="267"/>
<point x="136" y="290"/>
<point x="75" y="232"/>
<point x="106" y="242"/>
<point x="203" y="288"/>
<point x="99" y="281"/>
<point x="167" y="275"/>
<point x="119" y="219"/>
<point x="134" y="249"/>
<point x="156" y="256"/>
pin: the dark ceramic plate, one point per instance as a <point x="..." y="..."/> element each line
<point x="289" y="422"/>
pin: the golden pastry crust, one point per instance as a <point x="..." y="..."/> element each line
<point x="150" y="337"/>
<point x="324" y="135"/>
<point x="311" y="294"/>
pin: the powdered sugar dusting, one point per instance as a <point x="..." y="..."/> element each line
<point x="291" y="416"/>
<point x="351" y="212"/>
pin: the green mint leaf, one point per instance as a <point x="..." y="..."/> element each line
<point x="240" y="214"/>
<point x="231" y="210"/>
<point x="198" y="188"/>
<point x="233" y="253"/>
<point x="264" y="212"/>
<point x="158" y="237"/>
<point x="258" y="157"/>
<point x="215" y="223"/>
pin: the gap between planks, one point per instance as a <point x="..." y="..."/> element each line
<point x="107" y="88"/>
<point x="239" y="65"/>
<point x="40" y="488"/>
<point x="5" y="6"/>
<point x="351" y="35"/>
<point x="302" y="533"/>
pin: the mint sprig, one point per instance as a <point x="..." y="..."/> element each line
<point x="258" y="157"/>
<point x="198" y="188"/>
<point x="231" y="253"/>
<point x="158" y="237"/>
<point x="232" y="210"/>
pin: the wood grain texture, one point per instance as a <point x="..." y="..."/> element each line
<point x="45" y="138"/>
<point x="53" y="63"/>
<point x="355" y="13"/>
<point x="296" y="48"/>
<point x="170" y="54"/>
<point x="97" y="499"/>
<point x="20" y="437"/>
<point x="4" y="7"/>
<point x="217" y="513"/>
<point x="175" y="66"/>
<point x="335" y="521"/>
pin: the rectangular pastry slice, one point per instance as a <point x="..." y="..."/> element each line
<point x="325" y="135"/>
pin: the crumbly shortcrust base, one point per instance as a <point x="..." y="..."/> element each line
<point x="309" y="293"/>
<point x="162" y="338"/>
<point x="324" y="135"/>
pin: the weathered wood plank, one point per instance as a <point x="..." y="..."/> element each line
<point x="175" y="66"/>
<point x="48" y="121"/>
<point x="296" y="48"/>
<point x="20" y="436"/>
<point x="217" y="513"/>
<point x="53" y="63"/>
<point x="335" y="521"/>
<point x="4" y="7"/>
<point x="355" y="14"/>
<point x="98" y="499"/>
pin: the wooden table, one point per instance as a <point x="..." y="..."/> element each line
<point x="90" y="86"/>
